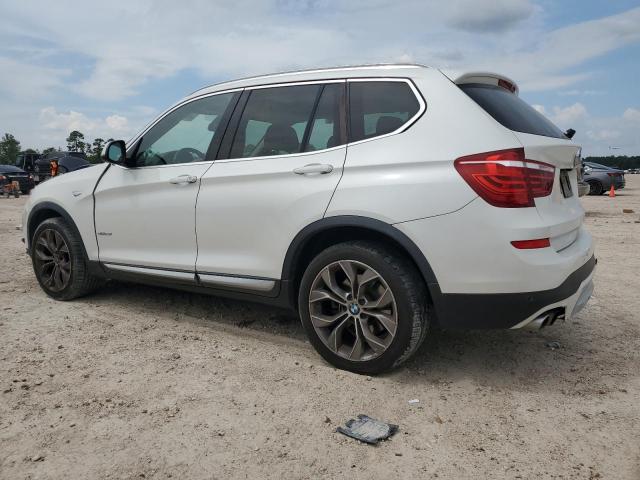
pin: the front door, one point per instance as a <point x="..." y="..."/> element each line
<point x="145" y="212"/>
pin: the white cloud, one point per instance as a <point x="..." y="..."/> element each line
<point x="61" y="124"/>
<point x="567" y="116"/>
<point x="631" y="114"/>
<point x="604" y="134"/>
<point x="20" y="79"/>
<point x="117" y="123"/>
<point x="598" y="134"/>
<point x="221" y="39"/>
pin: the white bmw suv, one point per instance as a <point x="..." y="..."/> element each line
<point x="375" y="201"/>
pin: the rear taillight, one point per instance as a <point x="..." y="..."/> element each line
<point x="505" y="178"/>
<point x="54" y="168"/>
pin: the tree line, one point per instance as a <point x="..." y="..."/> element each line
<point x="10" y="147"/>
<point x="617" y="161"/>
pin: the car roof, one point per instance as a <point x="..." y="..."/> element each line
<point x="352" y="71"/>
<point x="11" y="168"/>
<point x="599" y="165"/>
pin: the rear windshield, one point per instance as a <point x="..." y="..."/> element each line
<point x="510" y="110"/>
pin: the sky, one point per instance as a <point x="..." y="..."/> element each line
<point x="108" y="68"/>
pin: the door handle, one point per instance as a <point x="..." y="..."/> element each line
<point x="312" y="168"/>
<point x="180" y="179"/>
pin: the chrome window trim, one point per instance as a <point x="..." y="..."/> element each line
<point x="295" y="84"/>
<point x="409" y="122"/>
<point x="405" y="126"/>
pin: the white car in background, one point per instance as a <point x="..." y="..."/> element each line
<point x="375" y="201"/>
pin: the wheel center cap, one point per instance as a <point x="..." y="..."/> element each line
<point x="354" y="309"/>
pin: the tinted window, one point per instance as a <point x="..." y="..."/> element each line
<point x="274" y="121"/>
<point x="510" y="110"/>
<point x="378" y="108"/>
<point x="325" y="128"/>
<point x="185" y="134"/>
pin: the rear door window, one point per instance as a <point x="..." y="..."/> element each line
<point x="274" y="121"/>
<point x="510" y="110"/>
<point x="379" y="107"/>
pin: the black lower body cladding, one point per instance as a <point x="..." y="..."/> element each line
<point x="503" y="310"/>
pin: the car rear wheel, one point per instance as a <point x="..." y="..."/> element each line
<point x="59" y="261"/>
<point x="364" y="306"/>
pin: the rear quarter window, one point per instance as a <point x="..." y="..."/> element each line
<point x="510" y="110"/>
<point x="379" y="107"/>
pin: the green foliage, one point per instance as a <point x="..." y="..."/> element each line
<point x="9" y="149"/>
<point x="75" y="142"/>
<point x="617" y="161"/>
<point x="48" y="150"/>
<point x="94" y="154"/>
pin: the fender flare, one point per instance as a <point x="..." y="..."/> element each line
<point x="311" y="231"/>
<point x="32" y="226"/>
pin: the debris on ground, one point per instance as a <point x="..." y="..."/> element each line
<point x="553" y="345"/>
<point x="367" y="429"/>
<point x="627" y="210"/>
<point x="413" y="401"/>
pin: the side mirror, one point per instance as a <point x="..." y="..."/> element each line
<point x="115" y="151"/>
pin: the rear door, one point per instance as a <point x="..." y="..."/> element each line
<point x="145" y="213"/>
<point x="544" y="142"/>
<point x="280" y="162"/>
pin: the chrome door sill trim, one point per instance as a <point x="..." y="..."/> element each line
<point x="155" y="272"/>
<point x="244" y="283"/>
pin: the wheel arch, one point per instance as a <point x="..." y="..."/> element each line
<point x="44" y="211"/>
<point x="328" y="231"/>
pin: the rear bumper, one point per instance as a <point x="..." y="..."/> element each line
<point x="516" y="310"/>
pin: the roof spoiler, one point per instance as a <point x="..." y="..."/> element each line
<point x="489" y="78"/>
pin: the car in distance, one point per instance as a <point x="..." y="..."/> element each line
<point x="10" y="173"/>
<point x="27" y="162"/>
<point x="375" y="201"/>
<point x="600" y="178"/>
<point x="58" y="162"/>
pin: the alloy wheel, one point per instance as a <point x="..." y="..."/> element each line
<point x="353" y="310"/>
<point x="52" y="260"/>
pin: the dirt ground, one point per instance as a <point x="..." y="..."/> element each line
<point x="141" y="382"/>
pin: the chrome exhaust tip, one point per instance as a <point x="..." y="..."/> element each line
<point x="545" y="320"/>
<point x="537" y="323"/>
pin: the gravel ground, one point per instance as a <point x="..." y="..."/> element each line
<point x="141" y="382"/>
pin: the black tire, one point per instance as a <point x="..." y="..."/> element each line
<point x="596" y="188"/>
<point x="80" y="281"/>
<point x="408" y="290"/>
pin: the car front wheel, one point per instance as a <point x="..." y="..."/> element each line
<point x="59" y="262"/>
<point x="364" y="306"/>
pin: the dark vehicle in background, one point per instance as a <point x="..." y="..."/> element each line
<point x="600" y="178"/>
<point x="10" y="173"/>
<point x="27" y="162"/>
<point x="57" y="163"/>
